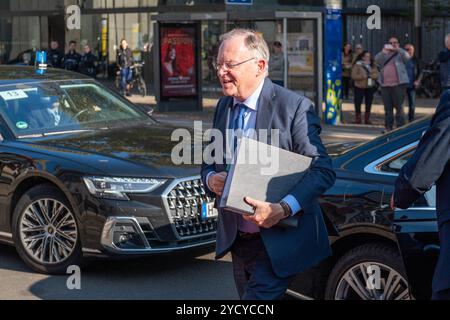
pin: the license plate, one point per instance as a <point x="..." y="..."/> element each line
<point x="208" y="210"/>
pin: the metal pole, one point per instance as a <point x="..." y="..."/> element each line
<point x="285" y="53"/>
<point x="333" y="61"/>
<point x="418" y="27"/>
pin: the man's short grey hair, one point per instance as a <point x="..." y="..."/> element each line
<point x="447" y="39"/>
<point x="253" y="41"/>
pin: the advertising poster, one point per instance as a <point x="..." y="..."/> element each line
<point x="178" y="63"/>
<point x="300" y="54"/>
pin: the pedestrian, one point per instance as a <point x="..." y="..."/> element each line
<point x="88" y="62"/>
<point x="414" y="68"/>
<point x="347" y="62"/>
<point x="54" y="55"/>
<point x="444" y="68"/>
<point x="393" y="79"/>
<point x="265" y="257"/>
<point x="124" y="62"/>
<point x="359" y="48"/>
<point x="429" y="165"/>
<point x="364" y="75"/>
<point x="72" y="58"/>
<point x="276" y="66"/>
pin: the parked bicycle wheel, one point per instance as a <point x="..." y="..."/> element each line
<point x="142" y="87"/>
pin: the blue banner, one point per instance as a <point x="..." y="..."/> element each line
<point x="333" y="65"/>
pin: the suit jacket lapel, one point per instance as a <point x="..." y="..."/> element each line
<point x="266" y="108"/>
<point x="223" y="123"/>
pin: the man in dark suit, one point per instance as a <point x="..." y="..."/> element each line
<point x="49" y="115"/>
<point x="430" y="165"/>
<point x="265" y="256"/>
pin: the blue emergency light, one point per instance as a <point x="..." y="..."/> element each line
<point x="41" y="62"/>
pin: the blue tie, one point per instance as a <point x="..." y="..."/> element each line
<point x="239" y="121"/>
<point x="243" y="225"/>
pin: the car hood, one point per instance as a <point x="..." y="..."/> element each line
<point x="137" y="150"/>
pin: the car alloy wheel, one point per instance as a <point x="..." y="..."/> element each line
<point x="359" y="282"/>
<point x="48" y="231"/>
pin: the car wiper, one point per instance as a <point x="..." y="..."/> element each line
<point x="47" y="134"/>
<point x="65" y="132"/>
<point x="36" y="135"/>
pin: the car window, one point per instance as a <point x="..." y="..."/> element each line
<point x="55" y="106"/>
<point x="394" y="165"/>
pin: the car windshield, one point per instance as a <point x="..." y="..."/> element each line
<point x="62" y="106"/>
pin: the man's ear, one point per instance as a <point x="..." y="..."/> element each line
<point x="262" y="64"/>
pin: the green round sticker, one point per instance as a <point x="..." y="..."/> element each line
<point x="22" y="125"/>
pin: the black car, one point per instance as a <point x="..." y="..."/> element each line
<point x="85" y="172"/>
<point x="378" y="253"/>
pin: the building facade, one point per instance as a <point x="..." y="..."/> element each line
<point x="297" y="24"/>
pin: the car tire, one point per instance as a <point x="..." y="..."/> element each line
<point x="347" y="280"/>
<point x="46" y="231"/>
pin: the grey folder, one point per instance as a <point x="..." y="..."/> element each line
<point x="252" y="175"/>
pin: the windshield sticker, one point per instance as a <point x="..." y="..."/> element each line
<point x="22" y="125"/>
<point x="13" y="95"/>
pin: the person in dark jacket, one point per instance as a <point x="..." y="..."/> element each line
<point x="48" y="114"/>
<point x="430" y="165"/>
<point x="444" y="59"/>
<point x="72" y="59"/>
<point x="347" y="63"/>
<point x="414" y="68"/>
<point x="124" y="61"/>
<point x="55" y="55"/>
<point x="88" y="63"/>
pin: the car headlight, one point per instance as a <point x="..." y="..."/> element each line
<point x="117" y="188"/>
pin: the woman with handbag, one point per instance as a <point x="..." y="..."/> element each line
<point x="364" y="75"/>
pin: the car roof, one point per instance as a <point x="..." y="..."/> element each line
<point x="358" y="157"/>
<point x="23" y="74"/>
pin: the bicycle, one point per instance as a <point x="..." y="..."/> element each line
<point x="137" y="79"/>
<point x="430" y="82"/>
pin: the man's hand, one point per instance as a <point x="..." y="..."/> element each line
<point x="266" y="214"/>
<point x="217" y="181"/>
<point x="416" y="84"/>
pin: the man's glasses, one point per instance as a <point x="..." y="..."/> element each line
<point x="393" y="42"/>
<point x="228" y="65"/>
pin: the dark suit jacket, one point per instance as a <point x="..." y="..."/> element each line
<point x="291" y="250"/>
<point x="430" y="164"/>
<point x="41" y="118"/>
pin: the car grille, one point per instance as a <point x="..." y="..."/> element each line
<point x="185" y="208"/>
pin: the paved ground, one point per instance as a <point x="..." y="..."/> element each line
<point x="186" y="276"/>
